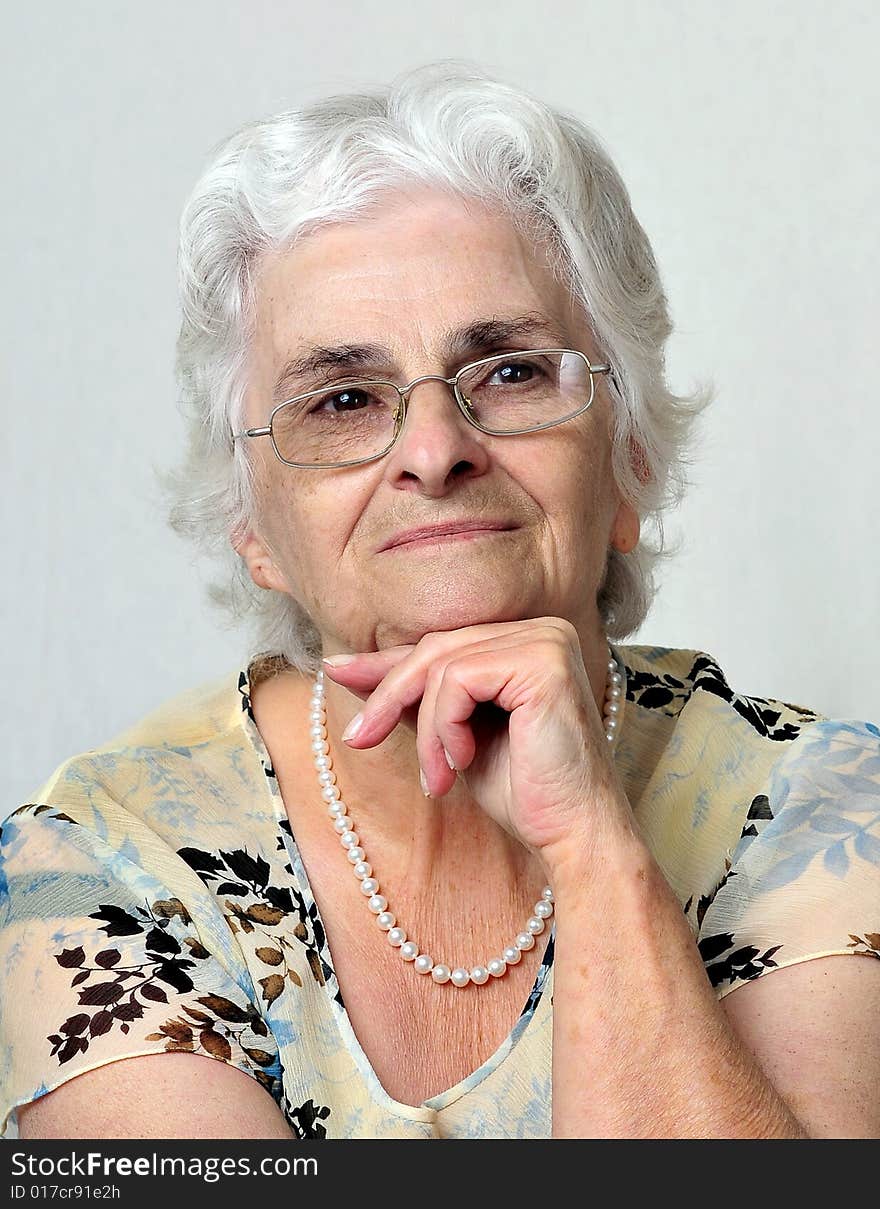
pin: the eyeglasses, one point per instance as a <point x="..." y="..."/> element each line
<point x="358" y="421"/>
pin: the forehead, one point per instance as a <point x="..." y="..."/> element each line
<point x="421" y="261"/>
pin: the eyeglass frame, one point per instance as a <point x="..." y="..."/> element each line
<point x="404" y="392"/>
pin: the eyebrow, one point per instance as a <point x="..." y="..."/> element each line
<point x="480" y="338"/>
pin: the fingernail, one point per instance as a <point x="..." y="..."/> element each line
<point x="339" y="660"/>
<point x="353" y="727"/>
<point x="449" y="760"/>
<point x="424" y="784"/>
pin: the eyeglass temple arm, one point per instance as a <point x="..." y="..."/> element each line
<point x="252" y="432"/>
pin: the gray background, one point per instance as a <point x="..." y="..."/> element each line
<point x="746" y="134"/>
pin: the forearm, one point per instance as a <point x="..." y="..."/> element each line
<point x="641" y="1046"/>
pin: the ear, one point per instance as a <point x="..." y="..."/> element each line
<point x="248" y="544"/>
<point x="626" y="528"/>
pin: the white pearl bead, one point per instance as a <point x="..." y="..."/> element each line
<point x="547" y="893"/>
<point x="409" y="951"/>
<point x="423" y="964"/>
<point x="323" y="762"/>
<point x="349" y="839"/>
<point x="317" y="731"/>
<point x="337" y="809"/>
<point x="535" y="925"/>
<point x="524" y="941"/>
<point x="479" y="975"/>
<point x="616" y="679"/>
<point x="320" y="746"/>
<point x="543" y="909"/>
<point x="369" y="886"/>
<point x="386" y="920"/>
<point x="511" y="955"/>
<point x="342" y="823"/>
<point x="497" y="967"/>
<point x="327" y="778"/>
<point x="611" y="724"/>
<point x="441" y="973"/>
<point x="363" y="869"/>
<point x="396" y="937"/>
<point x="330" y="793"/>
<point x="612" y="666"/>
<point x="616" y="693"/>
<point x="355" y="854"/>
<point x="612" y="707"/>
<point x="377" y="903"/>
<point x="460" y="977"/>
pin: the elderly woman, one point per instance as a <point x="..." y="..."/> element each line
<point x="445" y="859"/>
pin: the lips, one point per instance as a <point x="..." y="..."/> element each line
<point x="427" y="531"/>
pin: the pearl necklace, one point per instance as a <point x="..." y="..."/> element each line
<point x="343" y="825"/>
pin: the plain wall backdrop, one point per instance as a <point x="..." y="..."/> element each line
<point x="746" y="134"/>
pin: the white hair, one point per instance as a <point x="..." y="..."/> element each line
<point x="450" y="125"/>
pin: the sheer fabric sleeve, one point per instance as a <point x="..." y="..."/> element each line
<point x="804" y="880"/>
<point x="110" y="947"/>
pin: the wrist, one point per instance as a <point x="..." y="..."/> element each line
<point x="596" y="854"/>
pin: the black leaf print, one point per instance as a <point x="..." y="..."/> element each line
<point x="131" y="1010"/>
<point x="742" y="964"/>
<point x="75" y="1025"/>
<point x="280" y="897"/>
<point x="70" y="958"/>
<point x="202" y="862"/>
<point x="232" y="888"/>
<point x="655" y="697"/>
<point x="119" y="922"/>
<point x="101" y="993"/>
<point x="760" y="808"/>
<point x="172" y="973"/>
<point x="305" y="1120"/>
<point x="71" y="1047"/>
<point x="102" y="1022"/>
<point x="713" y="946"/>
<point x="158" y="941"/>
<point x="247" y="868"/>
<point x="107" y="958"/>
<point x="155" y="993"/>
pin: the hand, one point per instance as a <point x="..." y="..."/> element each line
<point x="513" y="706"/>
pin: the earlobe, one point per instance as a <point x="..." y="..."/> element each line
<point x="251" y="548"/>
<point x="626" y="530"/>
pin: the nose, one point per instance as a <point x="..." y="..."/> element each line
<point x="436" y="445"/>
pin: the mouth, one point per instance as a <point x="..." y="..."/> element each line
<point x="447" y="533"/>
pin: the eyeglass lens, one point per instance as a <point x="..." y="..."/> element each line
<point x="354" y="420"/>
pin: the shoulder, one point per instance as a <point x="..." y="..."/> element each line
<point x="667" y="679"/>
<point x="696" y="756"/>
<point x="190" y="742"/>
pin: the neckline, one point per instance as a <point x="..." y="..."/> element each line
<point x="429" y="1108"/>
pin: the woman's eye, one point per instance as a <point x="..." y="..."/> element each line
<point x="512" y="373"/>
<point x="342" y="400"/>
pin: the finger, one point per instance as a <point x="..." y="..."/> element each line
<point x="404" y="685"/>
<point x="366" y="669"/>
<point x="437" y="777"/>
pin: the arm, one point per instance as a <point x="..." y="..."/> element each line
<point x="642" y="1047"/>
<point x="156" y="1096"/>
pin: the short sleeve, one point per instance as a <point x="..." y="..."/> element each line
<point x="111" y="948"/>
<point x="804" y="880"/>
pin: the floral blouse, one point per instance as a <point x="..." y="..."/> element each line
<point x="153" y="898"/>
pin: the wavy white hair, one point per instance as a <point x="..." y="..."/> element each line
<point x="451" y="125"/>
